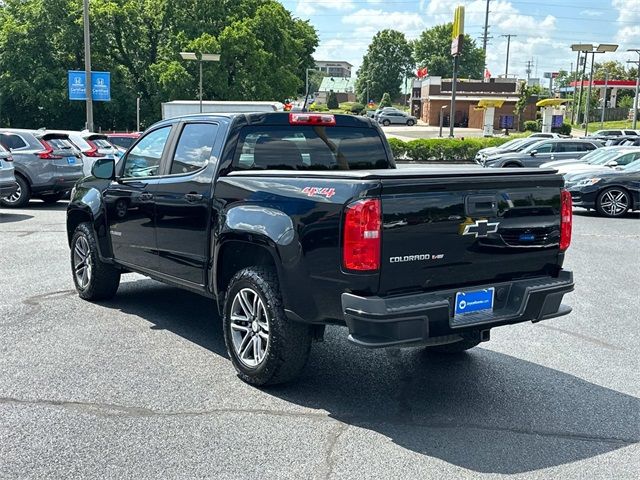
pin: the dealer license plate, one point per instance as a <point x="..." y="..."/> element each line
<point x="474" y="301"/>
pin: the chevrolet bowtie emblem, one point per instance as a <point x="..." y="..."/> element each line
<point x="480" y="229"/>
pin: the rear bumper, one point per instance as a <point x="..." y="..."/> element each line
<point x="419" y="318"/>
<point x="57" y="185"/>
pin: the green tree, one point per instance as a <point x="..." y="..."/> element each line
<point x="264" y="53"/>
<point x="386" y="64"/>
<point x="332" y="100"/>
<point x="433" y="50"/>
<point x="385" y="101"/>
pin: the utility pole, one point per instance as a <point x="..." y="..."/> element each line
<point x="604" y="98"/>
<point x="506" y="66"/>
<point x="636" y="100"/>
<point x="485" y="35"/>
<point x="87" y="64"/>
<point x="584" y="70"/>
<point x="528" y="70"/>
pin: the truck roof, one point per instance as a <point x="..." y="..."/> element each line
<point x="271" y="118"/>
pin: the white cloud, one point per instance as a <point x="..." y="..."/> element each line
<point x="628" y="10"/>
<point x="592" y="13"/>
<point x="306" y="8"/>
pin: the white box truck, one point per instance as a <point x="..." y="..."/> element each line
<point x="177" y="108"/>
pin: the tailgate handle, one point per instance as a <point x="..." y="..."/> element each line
<point x="478" y="205"/>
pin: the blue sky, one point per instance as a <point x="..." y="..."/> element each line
<point x="545" y="29"/>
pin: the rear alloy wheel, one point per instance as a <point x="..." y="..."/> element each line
<point x="386" y="123"/>
<point x="51" y="198"/>
<point x="410" y="123"/>
<point x="20" y="197"/>
<point x="265" y="347"/>
<point x="613" y="202"/>
<point x="94" y="279"/>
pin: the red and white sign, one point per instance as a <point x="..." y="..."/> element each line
<point x="422" y="72"/>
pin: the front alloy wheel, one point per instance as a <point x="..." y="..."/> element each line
<point x="613" y="202"/>
<point x="82" y="261"/>
<point x="249" y="327"/>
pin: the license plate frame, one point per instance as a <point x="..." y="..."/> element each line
<point x="474" y="301"/>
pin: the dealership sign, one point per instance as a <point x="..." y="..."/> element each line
<point x="100" y="85"/>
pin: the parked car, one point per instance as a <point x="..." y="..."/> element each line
<point x="295" y="221"/>
<point x="388" y="117"/>
<point x="377" y="113"/>
<point x="604" y="153"/>
<point x="630" y="140"/>
<point x="92" y="146"/>
<point x="494" y="152"/>
<point x="8" y="185"/>
<point x="123" y="140"/>
<point x="614" y="160"/>
<point x="612" y="193"/>
<point x="544" y="151"/>
<point x="47" y="165"/>
<point x="547" y="135"/>
<point x="613" y="132"/>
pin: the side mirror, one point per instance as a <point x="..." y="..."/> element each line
<point x="612" y="163"/>
<point x="104" y="168"/>
<point x="533" y="153"/>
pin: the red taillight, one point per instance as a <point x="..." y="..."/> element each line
<point x="93" y="151"/>
<point x="312" y="119"/>
<point x="362" y="235"/>
<point x="566" y="219"/>
<point x="48" y="152"/>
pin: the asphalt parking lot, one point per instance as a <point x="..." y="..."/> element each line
<point x="140" y="386"/>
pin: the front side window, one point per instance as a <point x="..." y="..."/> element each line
<point x="194" y="147"/>
<point x="309" y="148"/>
<point x="144" y="158"/>
<point x="543" y="148"/>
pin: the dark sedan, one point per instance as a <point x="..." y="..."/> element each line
<point x="612" y="193"/>
<point x="545" y="151"/>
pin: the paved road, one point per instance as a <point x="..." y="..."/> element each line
<point x="141" y="387"/>
<point x="426" y="131"/>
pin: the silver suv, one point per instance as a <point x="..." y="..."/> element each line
<point x="47" y="165"/>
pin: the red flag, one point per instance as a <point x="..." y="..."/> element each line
<point x="487" y="74"/>
<point x="422" y="72"/>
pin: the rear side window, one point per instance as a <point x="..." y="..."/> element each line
<point x="194" y="147"/>
<point x="12" y="141"/>
<point x="309" y="148"/>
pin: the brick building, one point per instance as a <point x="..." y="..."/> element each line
<point x="431" y="94"/>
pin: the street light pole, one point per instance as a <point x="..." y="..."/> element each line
<point x="576" y="106"/>
<point x="604" y="98"/>
<point x="87" y="64"/>
<point x="587" y="103"/>
<point x="200" y="57"/>
<point x="636" y="101"/>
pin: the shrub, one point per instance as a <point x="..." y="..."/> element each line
<point x="398" y="147"/>
<point x="332" y="100"/>
<point x="442" y="149"/>
<point x="386" y="101"/>
<point x="318" y="107"/>
<point x="356" y="108"/>
<point x="531" y="126"/>
<point x="565" y="129"/>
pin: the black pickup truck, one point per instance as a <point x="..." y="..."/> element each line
<point x="295" y="221"/>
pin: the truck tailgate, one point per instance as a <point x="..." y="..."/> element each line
<point x="465" y="230"/>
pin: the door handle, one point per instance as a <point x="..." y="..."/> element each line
<point x="193" y="197"/>
<point x="146" y="196"/>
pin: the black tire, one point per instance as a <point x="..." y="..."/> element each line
<point x="457" y="347"/>
<point x="288" y="344"/>
<point x="410" y="123"/>
<point x="102" y="279"/>
<point x="605" y="205"/>
<point x="21" y="197"/>
<point x="51" y="198"/>
<point x="386" y="123"/>
<point x="512" y="165"/>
